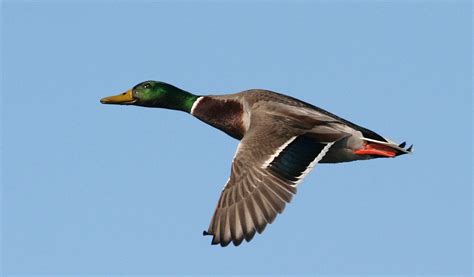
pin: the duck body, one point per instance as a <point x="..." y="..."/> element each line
<point x="232" y="114"/>
<point x="281" y="141"/>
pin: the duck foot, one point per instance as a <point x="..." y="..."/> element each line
<point x="376" y="150"/>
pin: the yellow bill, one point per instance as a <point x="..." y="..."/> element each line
<point x="123" y="98"/>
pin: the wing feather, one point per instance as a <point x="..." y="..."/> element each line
<point x="269" y="163"/>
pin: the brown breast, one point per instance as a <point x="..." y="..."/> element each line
<point x="224" y="114"/>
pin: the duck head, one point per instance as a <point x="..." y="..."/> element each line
<point x="154" y="94"/>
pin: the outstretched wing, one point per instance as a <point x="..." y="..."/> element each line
<point x="270" y="161"/>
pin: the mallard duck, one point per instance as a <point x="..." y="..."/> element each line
<point x="281" y="140"/>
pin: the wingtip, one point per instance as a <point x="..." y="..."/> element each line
<point x="225" y="243"/>
<point x="237" y="242"/>
<point x="214" y="241"/>
<point x="410" y="149"/>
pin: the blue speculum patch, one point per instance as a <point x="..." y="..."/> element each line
<point x="296" y="157"/>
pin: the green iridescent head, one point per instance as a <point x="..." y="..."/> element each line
<point x="154" y="94"/>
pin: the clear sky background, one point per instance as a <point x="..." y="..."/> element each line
<point x="95" y="189"/>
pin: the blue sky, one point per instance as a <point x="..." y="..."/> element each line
<point x="91" y="189"/>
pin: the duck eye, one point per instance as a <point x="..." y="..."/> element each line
<point x="147" y="85"/>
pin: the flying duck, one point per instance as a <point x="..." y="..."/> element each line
<point x="281" y="140"/>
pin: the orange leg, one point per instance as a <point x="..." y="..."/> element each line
<point x="377" y="150"/>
